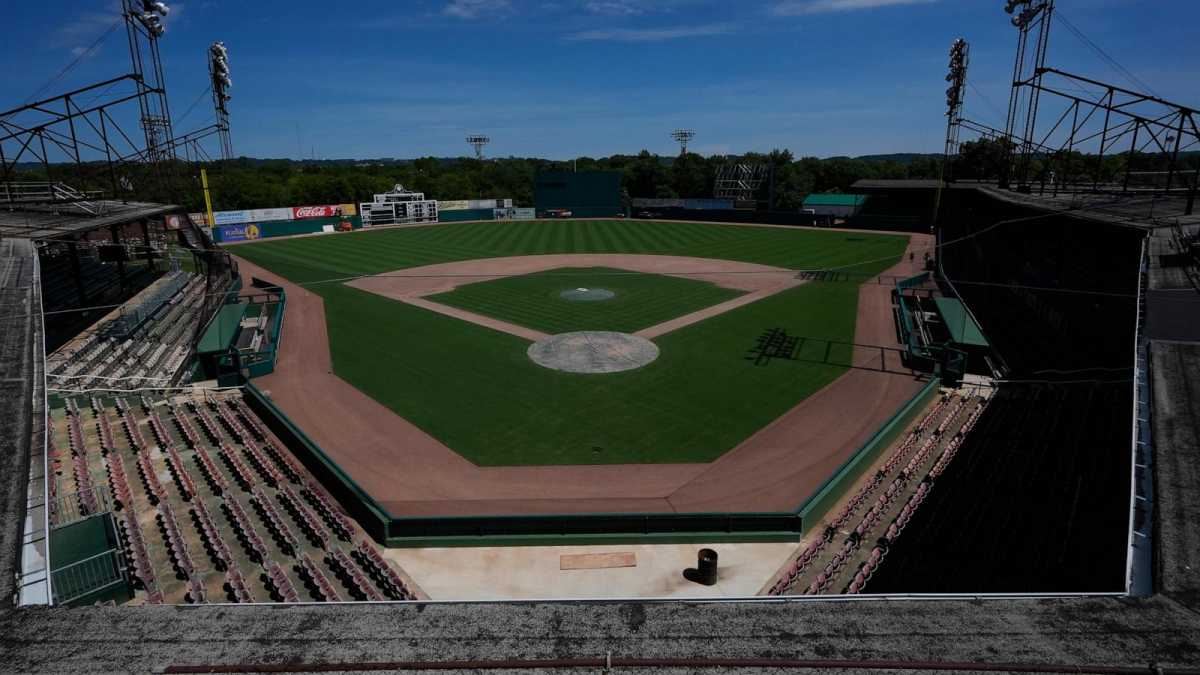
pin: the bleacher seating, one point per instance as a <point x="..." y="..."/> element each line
<point x="308" y="522"/>
<point x="146" y="345"/>
<point x="280" y="582"/>
<point x="135" y="312"/>
<point x="270" y="475"/>
<point x="286" y="502"/>
<point x="337" y="521"/>
<point x="317" y="579"/>
<point x="240" y="473"/>
<point x="881" y="495"/>
<point x="154" y="488"/>
<point x="352" y="577"/>
<point x="235" y="585"/>
<point x="180" y="556"/>
<point x="383" y="573"/>
<point x="212" y="475"/>
<point x="214" y="542"/>
<point x="275" y="523"/>
<point x="245" y="531"/>
<point x="183" y="480"/>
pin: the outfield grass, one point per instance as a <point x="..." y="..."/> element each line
<point x="535" y="300"/>
<point x="476" y="390"/>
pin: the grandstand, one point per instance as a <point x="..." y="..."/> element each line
<point x="843" y="555"/>
<point x="208" y="504"/>
<point x="143" y="343"/>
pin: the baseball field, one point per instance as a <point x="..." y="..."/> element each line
<point x="450" y="358"/>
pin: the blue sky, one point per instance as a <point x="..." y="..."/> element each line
<point x="564" y="78"/>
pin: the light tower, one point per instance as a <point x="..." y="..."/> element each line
<point x="218" y="71"/>
<point x="1028" y="16"/>
<point x="478" y="142"/>
<point x="144" y="25"/>
<point x="683" y="137"/>
<point x="960" y="59"/>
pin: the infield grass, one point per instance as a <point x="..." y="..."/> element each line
<point x="476" y="390"/>
<point x="535" y="300"/>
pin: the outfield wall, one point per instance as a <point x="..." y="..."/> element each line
<point x="280" y="228"/>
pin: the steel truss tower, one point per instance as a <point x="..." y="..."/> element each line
<point x="478" y="142"/>
<point x="960" y="58"/>
<point x="683" y="137"/>
<point x="1033" y="18"/>
<point x="87" y="126"/>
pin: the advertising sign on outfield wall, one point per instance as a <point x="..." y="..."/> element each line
<point x="265" y="215"/>
<point x="198" y="219"/>
<point x="330" y="211"/>
<point x="454" y="205"/>
<point x="524" y="214"/>
<point x="238" y="232"/>
<point x="230" y="217"/>
<point x="349" y="209"/>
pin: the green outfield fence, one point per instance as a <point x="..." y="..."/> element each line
<point x="593" y="528"/>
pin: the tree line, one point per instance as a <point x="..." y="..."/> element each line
<point x="259" y="184"/>
<point x="247" y="183"/>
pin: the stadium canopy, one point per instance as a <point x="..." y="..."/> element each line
<point x="960" y="323"/>
<point x="223" y="330"/>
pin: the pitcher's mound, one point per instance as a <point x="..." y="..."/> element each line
<point x="587" y="294"/>
<point x="592" y="351"/>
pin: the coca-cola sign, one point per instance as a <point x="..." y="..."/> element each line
<point x="316" y="211"/>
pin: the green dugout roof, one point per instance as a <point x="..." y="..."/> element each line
<point x="832" y="199"/>
<point x="222" y="330"/>
<point x="963" y="329"/>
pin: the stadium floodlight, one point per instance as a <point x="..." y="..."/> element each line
<point x="683" y="137"/>
<point x="477" y="142"/>
<point x="151" y="16"/>
<point x="957" y="76"/>
<point x="218" y="58"/>
<point x="1026" y="16"/>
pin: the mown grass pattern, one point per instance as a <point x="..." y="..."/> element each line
<point x="535" y="300"/>
<point x="475" y="389"/>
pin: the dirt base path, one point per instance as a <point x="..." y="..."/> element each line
<point x="415" y="284"/>
<point x="412" y="474"/>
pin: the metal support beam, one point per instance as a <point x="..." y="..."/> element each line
<point x="116" y="240"/>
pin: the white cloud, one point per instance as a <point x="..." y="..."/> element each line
<point x="650" y="34"/>
<point x="798" y="7"/>
<point x="613" y="7"/>
<point x="473" y="9"/>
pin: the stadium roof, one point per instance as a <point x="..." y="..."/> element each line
<point x="834" y="199"/>
<point x="61" y="220"/>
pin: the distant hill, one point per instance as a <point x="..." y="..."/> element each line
<point x="899" y="157"/>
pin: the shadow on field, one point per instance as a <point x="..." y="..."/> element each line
<point x="776" y="344"/>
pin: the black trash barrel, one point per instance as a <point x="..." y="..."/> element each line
<point x="705" y="571"/>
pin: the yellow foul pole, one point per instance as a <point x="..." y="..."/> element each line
<point x="207" y="198"/>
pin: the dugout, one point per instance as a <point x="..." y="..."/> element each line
<point x="585" y="194"/>
<point x="243" y="336"/>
